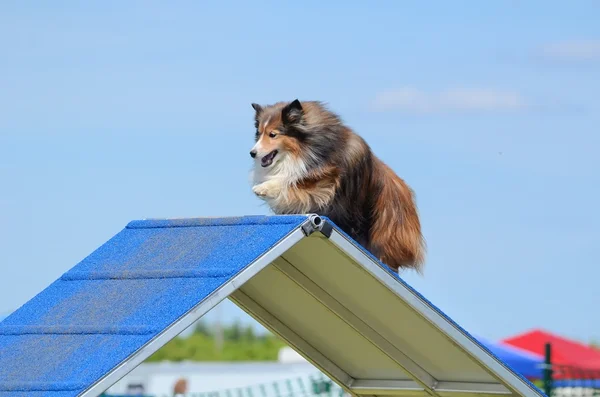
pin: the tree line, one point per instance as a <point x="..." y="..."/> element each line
<point x="233" y="343"/>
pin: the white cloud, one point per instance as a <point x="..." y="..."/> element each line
<point x="576" y="50"/>
<point x="453" y="100"/>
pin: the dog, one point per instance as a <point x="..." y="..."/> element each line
<point x="307" y="161"/>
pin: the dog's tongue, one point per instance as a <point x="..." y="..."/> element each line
<point x="268" y="159"/>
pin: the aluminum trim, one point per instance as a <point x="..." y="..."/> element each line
<point x="393" y="387"/>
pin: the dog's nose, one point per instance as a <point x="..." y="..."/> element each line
<point x="253" y="153"/>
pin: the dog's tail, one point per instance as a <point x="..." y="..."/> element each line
<point x="395" y="235"/>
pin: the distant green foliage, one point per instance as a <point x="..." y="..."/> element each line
<point x="239" y="344"/>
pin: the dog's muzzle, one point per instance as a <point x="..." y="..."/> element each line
<point x="268" y="159"/>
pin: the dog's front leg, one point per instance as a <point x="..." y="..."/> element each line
<point x="268" y="189"/>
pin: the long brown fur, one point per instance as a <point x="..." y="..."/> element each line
<point x="308" y="161"/>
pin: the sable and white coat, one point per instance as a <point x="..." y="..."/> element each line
<point x="308" y="161"/>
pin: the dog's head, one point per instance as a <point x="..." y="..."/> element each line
<point x="277" y="135"/>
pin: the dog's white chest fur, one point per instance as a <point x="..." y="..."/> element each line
<point x="272" y="183"/>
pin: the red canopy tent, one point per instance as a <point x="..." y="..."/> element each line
<point x="570" y="355"/>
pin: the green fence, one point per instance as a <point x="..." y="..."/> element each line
<point x="313" y="386"/>
<point x="568" y="381"/>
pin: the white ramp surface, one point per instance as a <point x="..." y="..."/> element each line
<point x="357" y="321"/>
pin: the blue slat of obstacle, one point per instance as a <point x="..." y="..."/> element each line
<point x="122" y="295"/>
<point x="64" y="393"/>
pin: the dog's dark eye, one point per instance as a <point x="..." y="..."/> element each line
<point x="272" y="134"/>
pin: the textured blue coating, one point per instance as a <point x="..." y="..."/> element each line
<point x="425" y="300"/>
<point x="122" y="295"/>
<point x="36" y="393"/>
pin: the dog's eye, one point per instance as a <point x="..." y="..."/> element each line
<point x="272" y="134"/>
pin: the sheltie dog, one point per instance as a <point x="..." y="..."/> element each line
<point x="307" y="161"/>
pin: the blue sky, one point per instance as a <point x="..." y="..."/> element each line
<point x="113" y="111"/>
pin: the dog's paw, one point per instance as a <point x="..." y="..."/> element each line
<point x="259" y="190"/>
<point x="265" y="190"/>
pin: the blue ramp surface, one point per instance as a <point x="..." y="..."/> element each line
<point x="122" y="296"/>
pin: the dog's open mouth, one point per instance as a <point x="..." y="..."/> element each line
<point x="268" y="159"/>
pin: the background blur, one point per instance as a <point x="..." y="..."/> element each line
<point x="113" y="111"/>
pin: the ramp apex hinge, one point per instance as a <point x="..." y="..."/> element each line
<point x="317" y="224"/>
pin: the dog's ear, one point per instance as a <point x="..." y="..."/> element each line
<point x="257" y="108"/>
<point x="292" y="112"/>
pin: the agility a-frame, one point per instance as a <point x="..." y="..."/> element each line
<point x="299" y="276"/>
